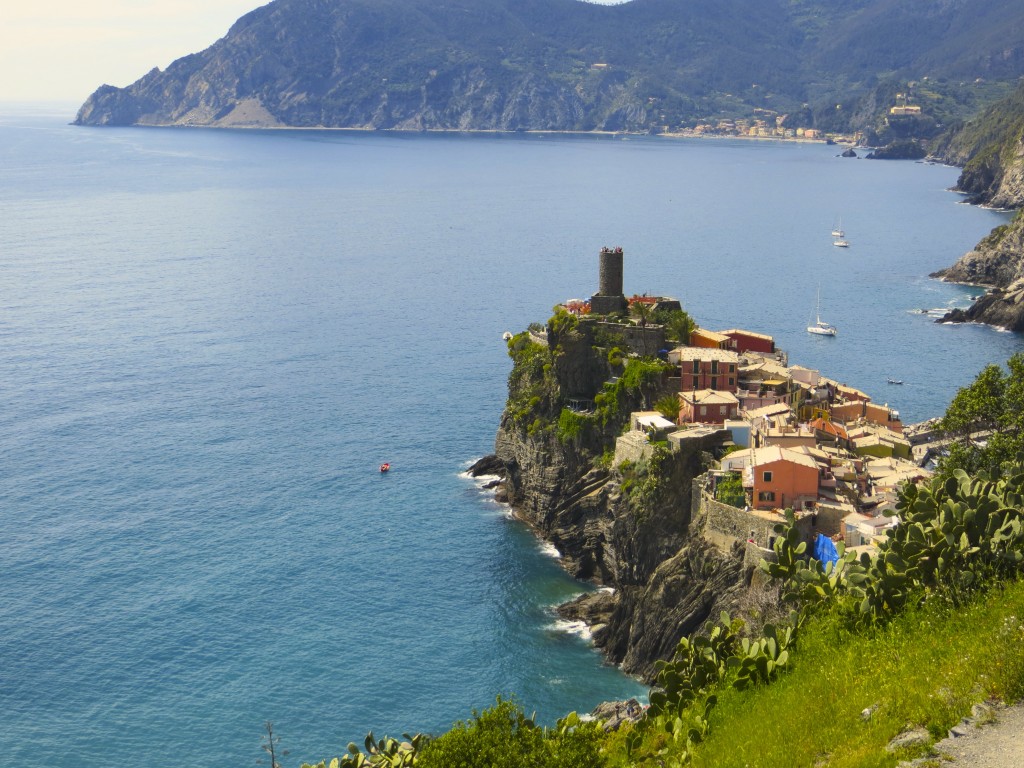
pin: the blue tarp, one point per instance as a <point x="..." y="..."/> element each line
<point x="825" y="550"/>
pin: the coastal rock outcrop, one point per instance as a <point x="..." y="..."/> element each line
<point x="1002" y="309"/>
<point x="903" y="149"/>
<point x="997" y="262"/>
<point x="664" y="583"/>
<point x="660" y="581"/>
<point x="991" y="150"/>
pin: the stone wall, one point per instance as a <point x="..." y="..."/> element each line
<point x="647" y="340"/>
<point x="724" y="524"/>
<point x="632" y="446"/>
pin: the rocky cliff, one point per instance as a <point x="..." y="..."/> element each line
<point x="998" y="263"/>
<point x="628" y="527"/>
<point x="995" y="176"/>
<point x="991" y="149"/>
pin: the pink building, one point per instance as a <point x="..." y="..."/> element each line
<point x="707" y="406"/>
<point x="706" y="368"/>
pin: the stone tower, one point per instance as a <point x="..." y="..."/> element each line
<point x="609" y="297"/>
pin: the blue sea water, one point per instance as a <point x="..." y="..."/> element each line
<point x="210" y="340"/>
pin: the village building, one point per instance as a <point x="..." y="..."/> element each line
<point x="852" y="411"/>
<point x="867" y="439"/>
<point x="760" y="418"/>
<point x="748" y="341"/>
<point x="886" y="475"/>
<point x="764" y="381"/>
<point x="652" y="423"/>
<point x="702" y="337"/>
<point x="786" y="433"/>
<point x="781" y="477"/>
<point x="737" y="461"/>
<point x="706" y="368"/>
<point x="827" y="433"/>
<point x="846" y="393"/>
<point x="707" y="406"/>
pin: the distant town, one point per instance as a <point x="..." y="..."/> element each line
<point x="769" y="125"/>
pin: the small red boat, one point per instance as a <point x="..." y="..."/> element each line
<point x="385" y="467"/>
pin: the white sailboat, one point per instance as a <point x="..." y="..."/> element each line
<point x="839" y="236"/>
<point x="820" y="327"/>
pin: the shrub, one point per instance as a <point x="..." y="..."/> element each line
<point x="571" y="424"/>
<point x="503" y="737"/>
<point x="729" y="490"/>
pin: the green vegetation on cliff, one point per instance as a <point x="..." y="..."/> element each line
<point x="989" y="147"/>
<point x="582" y="355"/>
<point x="530" y="384"/>
<point x="986" y="133"/>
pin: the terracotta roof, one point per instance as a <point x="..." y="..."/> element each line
<point x="710" y="334"/>
<point x="830" y="428"/>
<point x="774" y="453"/>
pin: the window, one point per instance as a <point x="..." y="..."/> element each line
<point x="732" y="369"/>
<point x="714" y="382"/>
<point x="731" y="381"/>
<point x="714" y="366"/>
<point x="696" y="367"/>
<point x="703" y="410"/>
<point x="766" y="496"/>
<point x="722" y="409"/>
<point x="767" y="477"/>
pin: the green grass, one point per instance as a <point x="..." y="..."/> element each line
<point x="926" y="668"/>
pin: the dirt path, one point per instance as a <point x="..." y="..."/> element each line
<point x="995" y="745"/>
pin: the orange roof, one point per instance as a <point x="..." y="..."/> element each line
<point x="830" y="428"/>
<point x="710" y="334"/>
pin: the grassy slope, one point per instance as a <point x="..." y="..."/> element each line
<point x="928" y="667"/>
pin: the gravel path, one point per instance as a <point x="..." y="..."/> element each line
<point x="994" y="745"/>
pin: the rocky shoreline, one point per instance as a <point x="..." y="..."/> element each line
<point x="996" y="263"/>
<point x="661" y="584"/>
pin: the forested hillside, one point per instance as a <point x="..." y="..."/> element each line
<point x="646" y="65"/>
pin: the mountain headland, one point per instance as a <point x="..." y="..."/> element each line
<point x="645" y="66"/>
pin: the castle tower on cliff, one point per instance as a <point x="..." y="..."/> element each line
<point x="609" y="297"/>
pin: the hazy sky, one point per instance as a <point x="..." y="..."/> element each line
<point x="62" y="50"/>
<point x="65" y="49"/>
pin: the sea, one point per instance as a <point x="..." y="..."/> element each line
<point x="211" y="339"/>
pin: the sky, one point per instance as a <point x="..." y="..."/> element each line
<point x="63" y="50"/>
